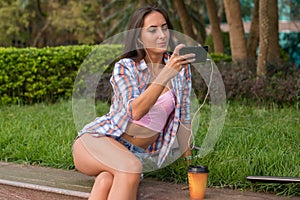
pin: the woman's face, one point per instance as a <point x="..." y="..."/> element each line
<point x="155" y="33"/>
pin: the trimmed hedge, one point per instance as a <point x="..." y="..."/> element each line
<point x="31" y="75"/>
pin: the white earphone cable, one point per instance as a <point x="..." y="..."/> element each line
<point x="200" y="107"/>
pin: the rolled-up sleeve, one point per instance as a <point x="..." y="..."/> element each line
<point x="124" y="84"/>
<point x="185" y="107"/>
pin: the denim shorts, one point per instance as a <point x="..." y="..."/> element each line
<point x="136" y="150"/>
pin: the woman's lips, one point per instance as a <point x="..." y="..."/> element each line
<point x="162" y="44"/>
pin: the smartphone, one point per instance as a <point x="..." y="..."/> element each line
<point x="200" y="51"/>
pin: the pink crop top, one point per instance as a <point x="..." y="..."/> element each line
<point x="158" y="114"/>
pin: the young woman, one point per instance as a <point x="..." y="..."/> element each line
<point x="149" y="111"/>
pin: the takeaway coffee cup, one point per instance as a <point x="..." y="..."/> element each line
<point x="197" y="177"/>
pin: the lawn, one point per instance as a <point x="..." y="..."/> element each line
<point x="256" y="140"/>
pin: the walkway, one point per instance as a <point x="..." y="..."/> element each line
<point x="23" y="182"/>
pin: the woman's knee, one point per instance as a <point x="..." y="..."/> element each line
<point x="132" y="165"/>
<point x="131" y="179"/>
<point x="104" y="180"/>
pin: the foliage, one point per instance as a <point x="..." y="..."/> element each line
<point x="52" y="23"/>
<point x="14" y="22"/>
<point x="117" y="21"/>
<point x="291" y="45"/>
<point x="32" y="75"/>
<point x="77" y="17"/>
<point x="220" y="57"/>
<point x="210" y="43"/>
<point x="289" y="9"/>
<point x="280" y="86"/>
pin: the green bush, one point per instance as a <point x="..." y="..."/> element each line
<point x="280" y="86"/>
<point x="217" y="58"/>
<point x="31" y="75"/>
<point x="209" y="41"/>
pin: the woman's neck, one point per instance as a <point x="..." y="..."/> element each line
<point x="154" y="59"/>
<point x="155" y="64"/>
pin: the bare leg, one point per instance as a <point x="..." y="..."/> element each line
<point x="118" y="190"/>
<point x="101" y="187"/>
<point x="110" y="182"/>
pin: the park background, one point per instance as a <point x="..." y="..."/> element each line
<point x="255" y="44"/>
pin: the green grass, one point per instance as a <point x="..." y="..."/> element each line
<point x="39" y="134"/>
<point x="255" y="141"/>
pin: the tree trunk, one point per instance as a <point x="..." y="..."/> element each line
<point x="40" y="33"/>
<point x="253" y="39"/>
<point x="263" y="38"/>
<point x="274" y="50"/>
<point x="221" y="10"/>
<point x="236" y="30"/>
<point x="184" y="18"/>
<point x="215" y="26"/>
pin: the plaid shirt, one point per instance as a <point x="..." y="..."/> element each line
<point x="129" y="80"/>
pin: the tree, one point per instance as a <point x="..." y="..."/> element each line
<point x="236" y="30"/>
<point x="196" y="12"/>
<point x="269" y="52"/>
<point x="14" y="26"/>
<point x="75" y="18"/>
<point x="264" y="40"/>
<point x="184" y="18"/>
<point x="191" y="23"/>
<point x="39" y="23"/>
<point x="215" y="26"/>
<point x="253" y="38"/>
<point x="274" y="50"/>
<point x="60" y="22"/>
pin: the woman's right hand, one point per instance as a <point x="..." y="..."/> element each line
<point x="176" y="63"/>
<point x="142" y="104"/>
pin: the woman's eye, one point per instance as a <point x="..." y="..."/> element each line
<point x="165" y="28"/>
<point x="152" y="30"/>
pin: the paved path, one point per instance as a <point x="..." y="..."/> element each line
<point x="23" y="182"/>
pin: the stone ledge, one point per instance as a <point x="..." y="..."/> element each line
<point x="47" y="189"/>
<point x="25" y="182"/>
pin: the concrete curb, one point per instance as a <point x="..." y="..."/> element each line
<point x="45" y="188"/>
<point x="25" y="182"/>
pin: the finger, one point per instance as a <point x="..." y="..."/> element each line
<point x="186" y="58"/>
<point x="177" y="49"/>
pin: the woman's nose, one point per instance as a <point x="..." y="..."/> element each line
<point x="161" y="33"/>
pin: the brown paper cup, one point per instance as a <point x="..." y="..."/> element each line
<point x="197" y="177"/>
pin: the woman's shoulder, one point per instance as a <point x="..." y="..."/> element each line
<point x="126" y="61"/>
<point x="130" y="63"/>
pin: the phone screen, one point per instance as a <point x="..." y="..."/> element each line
<point x="200" y="51"/>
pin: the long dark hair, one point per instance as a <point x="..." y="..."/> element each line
<point x="133" y="48"/>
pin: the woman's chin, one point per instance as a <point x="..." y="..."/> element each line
<point x="157" y="50"/>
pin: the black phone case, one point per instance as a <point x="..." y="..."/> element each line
<point x="200" y="51"/>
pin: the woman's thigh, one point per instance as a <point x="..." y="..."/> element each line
<point x="93" y="155"/>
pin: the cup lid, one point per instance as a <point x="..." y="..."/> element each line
<point x="198" y="169"/>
